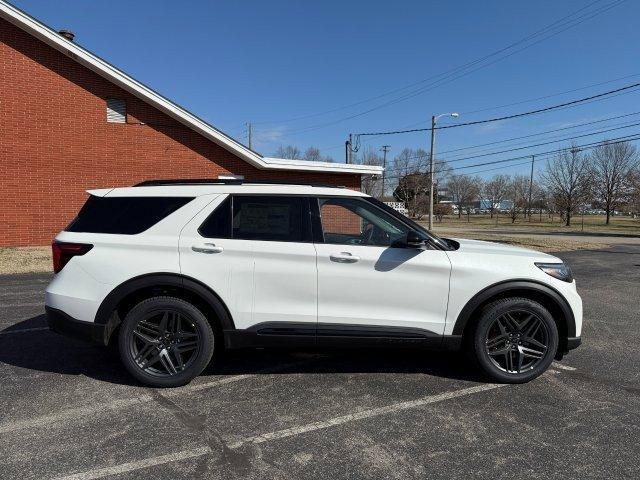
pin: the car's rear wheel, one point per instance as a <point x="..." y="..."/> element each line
<point x="165" y="342"/>
<point x="514" y="340"/>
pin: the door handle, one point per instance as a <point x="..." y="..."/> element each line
<point x="207" y="248"/>
<point x="343" y="257"/>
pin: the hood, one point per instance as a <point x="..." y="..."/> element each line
<point x="492" y="248"/>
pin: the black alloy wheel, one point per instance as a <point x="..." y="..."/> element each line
<point x="514" y="340"/>
<point x="517" y="341"/>
<point x="165" y="342"/>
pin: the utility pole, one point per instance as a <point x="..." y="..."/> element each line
<point x="432" y="170"/>
<point x="533" y="159"/>
<point x="249" y="133"/>
<point x="385" y="149"/>
<point x="346" y="151"/>
<point x="350" y="151"/>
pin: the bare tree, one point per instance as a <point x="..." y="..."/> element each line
<point x="517" y="193"/>
<point x="568" y="179"/>
<point x="408" y="178"/>
<point x="612" y="164"/>
<point x="495" y="191"/>
<point x="372" y="184"/>
<point x="312" y="154"/>
<point x="409" y="173"/>
<point x="464" y="190"/>
<point x="634" y="200"/>
<point x="289" y="152"/>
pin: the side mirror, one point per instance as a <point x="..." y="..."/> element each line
<point x="414" y="240"/>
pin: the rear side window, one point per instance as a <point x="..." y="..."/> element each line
<point x="124" y="215"/>
<point x="269" y="218"/>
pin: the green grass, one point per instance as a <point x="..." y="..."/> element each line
<point x="592" y="223"/>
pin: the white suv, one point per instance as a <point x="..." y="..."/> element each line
<point x="175" y="270"/>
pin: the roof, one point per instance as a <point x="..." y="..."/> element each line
<point x="124" y="81"/>
<point x="213" y="189"/>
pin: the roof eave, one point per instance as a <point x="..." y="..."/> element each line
<point x="106" y="70"/>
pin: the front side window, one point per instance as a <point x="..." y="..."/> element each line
<point x="253" y="217"/>
<point x="352" y="221"/>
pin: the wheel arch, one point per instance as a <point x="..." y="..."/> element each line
<point x="531" y="289"/>
<point x="129" y="293"/>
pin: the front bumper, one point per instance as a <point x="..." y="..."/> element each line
<point x="64" y="324"/>
<point x="573" y="343"/>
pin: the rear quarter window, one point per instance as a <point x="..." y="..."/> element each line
<point x="124" y="215"/>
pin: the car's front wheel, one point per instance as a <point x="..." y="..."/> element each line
<point x="165" y="342"/>
<point x="514" y="340"/>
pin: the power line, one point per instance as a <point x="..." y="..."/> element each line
<point x="520" y="102"/>
<point x="448" y="79"/>
<point x="470" y="147"/>
<point x="509" y="117"/>
<point x="447" y="72"/>
<point x="586" y="146"/>
<point x="543" y="143"/>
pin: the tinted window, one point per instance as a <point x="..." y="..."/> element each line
<point x="351" y="221"/>
<point x="218" y="224"/>
<point x="124" y="215"/>
<point x="283" y="219"/>
<point x="271" y="218"/>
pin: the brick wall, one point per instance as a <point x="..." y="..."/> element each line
<point x="55" y="142"/>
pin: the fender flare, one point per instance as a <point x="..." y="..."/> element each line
<point x="159" y="280"/>
<point x="516" y="285"/>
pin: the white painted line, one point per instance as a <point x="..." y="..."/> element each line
<point x="289" y="432"/>
<point x="72" y="414"/>
<point x="76" y="413"/>
<point x="374" y="412"/>
<point x="27" y="293"/>
<point x="131" y="466"/>
<point x="23" y="330"/>
<point x="563" y="367"/>
<point x="16" y="305"/>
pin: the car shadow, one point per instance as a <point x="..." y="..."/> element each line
<point x="30" y="346"/>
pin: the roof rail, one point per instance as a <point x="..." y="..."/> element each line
<point x="190" y="181"/>
<point x="225" y="181"/>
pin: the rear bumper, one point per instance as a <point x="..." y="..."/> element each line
<point x="64" y="324"/>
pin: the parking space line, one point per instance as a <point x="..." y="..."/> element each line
<point x="563" y="367"/>
<point x="373" y="412"/>
<point x="23" y="330"/>
<point x="23" y="293"/>
<point x="279" y="434"/>
<point x="17" y="305"/>
<point x="131" y="466"/>
<point x="76" y="413"/>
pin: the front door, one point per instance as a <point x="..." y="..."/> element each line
<point x="368" y="286"/>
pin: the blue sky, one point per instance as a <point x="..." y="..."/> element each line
<point x="281" y="64"/>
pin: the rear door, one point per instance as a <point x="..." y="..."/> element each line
<point x="255" y="251"/>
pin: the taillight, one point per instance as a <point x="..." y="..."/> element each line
<point x="65" y="251"/>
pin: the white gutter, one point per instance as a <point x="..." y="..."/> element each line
<point x="118" y="77"/>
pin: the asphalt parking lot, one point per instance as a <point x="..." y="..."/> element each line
<point x="68" y="409"/>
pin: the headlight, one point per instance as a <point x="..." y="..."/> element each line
<point x="557" y="270"/>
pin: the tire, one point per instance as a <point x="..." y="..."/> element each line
<point x="514" y="340"/>
<point x="165" y="342"/>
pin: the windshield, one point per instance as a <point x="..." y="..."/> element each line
<point x="428" y="236"/>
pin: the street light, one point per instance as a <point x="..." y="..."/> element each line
<point x="432" y="169"/>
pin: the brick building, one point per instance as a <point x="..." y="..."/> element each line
<point x="70" y="122"/>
